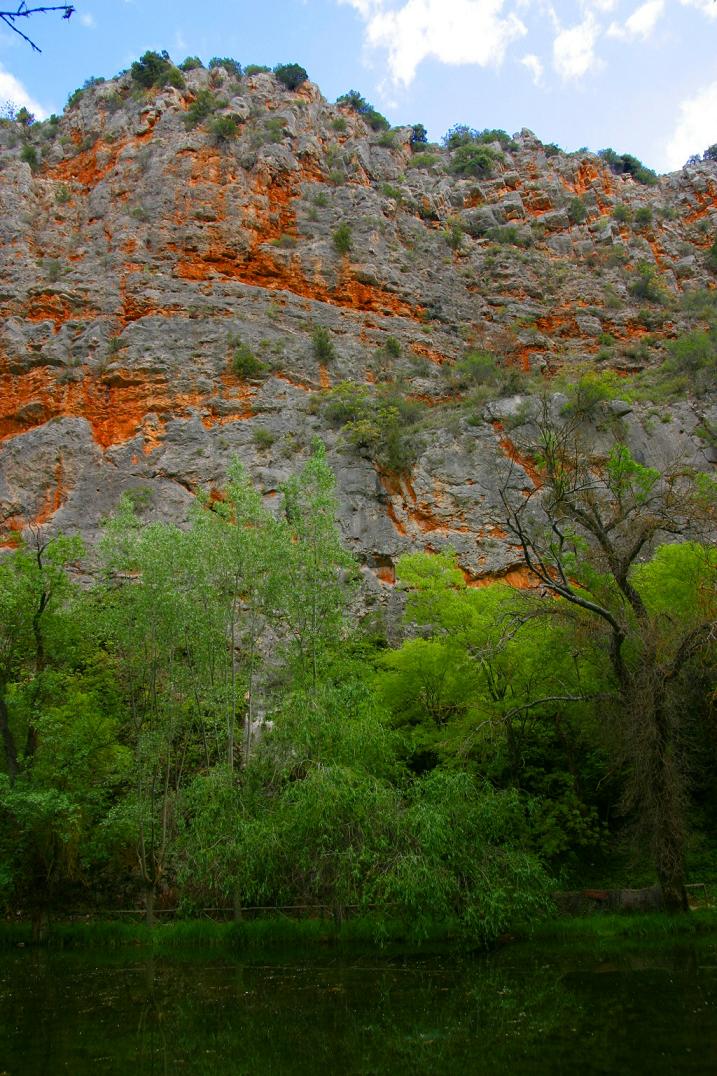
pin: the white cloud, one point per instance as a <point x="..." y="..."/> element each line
<point x="534" y="65"/>
<point x="11" y="89"/>
<point x="641" y="23"/>
<point x="574" y="49"/>
<point x="452" y="31"/>
<point x="696" y="128"/>
<point x="88" y="21"/>
<point x="707" y="7"/>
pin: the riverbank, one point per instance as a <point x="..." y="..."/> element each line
<point x="281" y="932"/>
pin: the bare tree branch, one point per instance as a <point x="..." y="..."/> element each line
<point x="24" y="12"/>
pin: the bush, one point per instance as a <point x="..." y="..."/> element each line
<point x="262" y="437"/>
<point x="592" y="389"/>
<point x="368" y="113"/>
<point x="202" y="106"/>
<point x="29" y="155"/>
<point x="156" y="69"/>
<point x="462" y="135"/>
<point x="423" y="160"/>
<point x="712" y="257"/>
<point x="342" y="238"/>
<point x="646" y="284"/>
<point x="275" y="130"/>
<point x="454" y="234"/>
<point x="384" y="429"/>
<point x="505" y="234"/>
<point x="577" y="211"/>
<point x="625" y="164"/>
<point x="77" y="94"/>
<point x="622" y="213"/>
<point x="232" y="67"/>
<point x="191" y="64"/>
<point x="473" y="160"/>
<point x="256" y="69"/>
<point x="419" y="135"/>
<point x="292" y="75"/>
<point x="643" y="215"/>
<point x="322" y="344"/>
<point x="224" y="128"/>
<point x="392" y="347"/>
<point x="475" y="368"/>
<point x="245" y="363"/>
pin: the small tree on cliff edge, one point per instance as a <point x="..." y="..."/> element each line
<point x="585" y="535"/>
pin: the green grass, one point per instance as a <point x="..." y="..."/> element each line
<point x="277" y="932"/>
<point x="362" y="932"/>
<point x="600" y="928"/>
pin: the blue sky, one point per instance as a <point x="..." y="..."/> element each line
<point x="637" y="75"/>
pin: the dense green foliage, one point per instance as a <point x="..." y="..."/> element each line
<point x="354" y="100"/>
<point x="233" y="67"/>
<point x="626" y="164"/>
<point x="473" y="159"/>
<point x="291" y="75"/>
<point x="205" y="726"/>
<point x="156" y="69"/>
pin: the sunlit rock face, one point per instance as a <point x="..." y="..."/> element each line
<point x="142" y="252"/>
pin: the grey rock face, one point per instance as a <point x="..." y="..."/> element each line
<point x="144" y="254"/>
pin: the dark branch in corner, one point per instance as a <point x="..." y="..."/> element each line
<point x="24" y="12"/>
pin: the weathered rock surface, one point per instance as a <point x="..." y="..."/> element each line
<point x="141" y="250"/>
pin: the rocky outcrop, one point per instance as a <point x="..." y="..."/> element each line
<point x="141" y="251"/>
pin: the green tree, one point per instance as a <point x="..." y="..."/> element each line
<point x="583" y="536"/>
<point x="59" y="719"/>
<point x="317" y="571"/>
<point x="291" y="75"/>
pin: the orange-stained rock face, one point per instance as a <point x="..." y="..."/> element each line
<point x="518" y="576"/>
<point x="144" y="251"/>
<point x="515" y="456"/>
<point x="116" y="412"/>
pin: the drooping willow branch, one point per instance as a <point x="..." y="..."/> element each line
<point x="24" y="12"/>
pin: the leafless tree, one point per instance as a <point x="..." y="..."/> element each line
<point x="22" y="11"/>
<point x="582" y="535"/>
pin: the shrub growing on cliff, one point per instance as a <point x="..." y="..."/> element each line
<point x="419" y="135"/>
<point x="577" y="211"/>
<point x="156" y="69"/>
<point x="245" y="363"/>
<point x="625" y="164"/>
<point x="473" y="160"/>
<point x="324" y="350"/>
<point x="355" y="101"/>
<point x="28" y="154"/>
<point x="646" y="284"/>
<point x="712" y="257"/>
<point x="622" y="213"/>
<point x="291" y="75"/>
<point x="224" y="128"/>
<point x="203" y="105"/>
<point x="342" y="238"/>
<point x="192" y="63"/>
<point x="462" y="135"/>
<point x="232" y="67"/>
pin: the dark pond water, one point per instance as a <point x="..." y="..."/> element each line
<point x="521" y="1010"/>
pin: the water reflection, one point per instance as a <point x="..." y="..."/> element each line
<point x="521" y="1010"/>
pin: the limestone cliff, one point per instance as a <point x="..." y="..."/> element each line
<point x="141" y="250"/>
